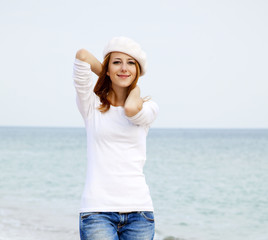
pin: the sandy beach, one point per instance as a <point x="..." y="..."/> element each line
<point x="27" y="222"/>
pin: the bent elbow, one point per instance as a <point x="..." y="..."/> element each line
<point x="131" y="111"/>
<point x="82" y="54"/>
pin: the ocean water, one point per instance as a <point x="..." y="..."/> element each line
<point x="206" y="184"/>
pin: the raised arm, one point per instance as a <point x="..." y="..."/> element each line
<point x="86" y="56"/>
<point x="84" y="64"/>
<point x="133" y="102"/>
<point x="146" y="111"/>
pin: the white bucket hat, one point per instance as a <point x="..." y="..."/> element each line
<point x="128" y="46"/>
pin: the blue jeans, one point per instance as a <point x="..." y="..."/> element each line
<point x="115" y="226"/>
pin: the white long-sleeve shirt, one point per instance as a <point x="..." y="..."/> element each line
<point x="116" y="151"/>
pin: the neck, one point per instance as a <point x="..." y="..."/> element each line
<point x="118" y="96"/>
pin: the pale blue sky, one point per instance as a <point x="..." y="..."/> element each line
<point x="207" y="59"/>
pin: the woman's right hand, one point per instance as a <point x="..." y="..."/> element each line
<point x="86" y="56"/>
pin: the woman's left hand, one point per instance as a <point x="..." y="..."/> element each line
<point x="133" y="103"/>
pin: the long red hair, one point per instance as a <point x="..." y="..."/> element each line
<point x="104" y="84"/>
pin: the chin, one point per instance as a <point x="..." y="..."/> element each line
<point x="125" y="85"/>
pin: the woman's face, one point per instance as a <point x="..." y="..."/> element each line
<point x="121" y="69"/>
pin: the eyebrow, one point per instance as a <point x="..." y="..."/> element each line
<point x="127" y="59"/>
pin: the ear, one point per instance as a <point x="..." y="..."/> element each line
<point x="107" y="73"/>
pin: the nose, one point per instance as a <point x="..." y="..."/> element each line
<point x="124" y="67"/>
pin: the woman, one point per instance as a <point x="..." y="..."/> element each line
<point x="116" y="202"/>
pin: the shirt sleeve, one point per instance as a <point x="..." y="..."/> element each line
<point x="146" y="115"/>
<point x="83" y="83"/>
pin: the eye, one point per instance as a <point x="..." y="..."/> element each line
<point x="131" y="62"/>
<point x="116" y="62"/>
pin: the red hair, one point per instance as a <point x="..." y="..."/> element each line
<point x="104" y="84"/>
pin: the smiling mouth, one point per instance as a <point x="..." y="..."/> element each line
<point x="123" y="76"/>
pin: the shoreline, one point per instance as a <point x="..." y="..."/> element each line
<point x="29" y="222"/>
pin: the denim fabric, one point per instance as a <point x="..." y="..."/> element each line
<point x="117" y="226"/>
